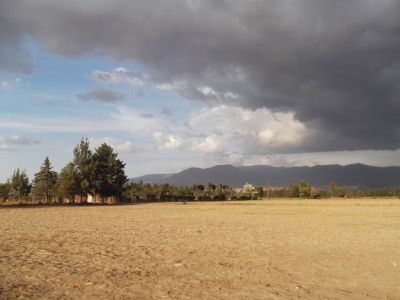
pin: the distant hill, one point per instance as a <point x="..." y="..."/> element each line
<point x="151" y="178"/>
<point x="356" y="175"/>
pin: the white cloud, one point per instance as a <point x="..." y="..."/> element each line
<point x="119" y="145"/>
<point x="209" y="145"/>
<point x="211" y="93"/>
<point x="222" y="133"/>
<point x="247" y="128"/>
<point x="205" y="137"/>
<point x="119" y="75"/>
<point x="8" y="143"/>
<point x="231" y="95"/>
<point x="208" y="91"/>
<point x="283" y="132"/>
<point x="171" y="86"/>
<point x="167" y="141"/>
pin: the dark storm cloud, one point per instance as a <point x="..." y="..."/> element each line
<point x="14" y="57"/>
<point x="101" y="94"/>
<point x="336" y="64"/>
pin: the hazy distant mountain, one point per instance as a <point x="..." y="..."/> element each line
<point x="357" y="175"/>
<point x="152" y="178"/>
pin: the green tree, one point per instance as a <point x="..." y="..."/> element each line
<point x="20" y="186"/>
<point x="109" y="174"/>
<point x="5" y="189"/>
<point x="293" y="191"/>
<point x="68" y="185"/>
<point x="211" y="187"/>
<point x="83" y="162"/>
<point x="304" y="189"/>
<point x="44" y="182"/>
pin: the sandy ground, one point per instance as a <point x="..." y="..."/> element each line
<point x="280" y="249"/>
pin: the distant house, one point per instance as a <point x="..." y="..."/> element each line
<point x="89" y="198"/>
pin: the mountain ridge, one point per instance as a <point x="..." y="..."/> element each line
<point x="353" y="175"/>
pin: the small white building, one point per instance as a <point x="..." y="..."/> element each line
<point x="90" y="198"/>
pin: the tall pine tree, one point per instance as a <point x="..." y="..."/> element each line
<point x="83" y="163"/>
<point x="20" y="187"/>
<point x="44" y="182"/>
<point x="68" y="185"/>
<point x="109" y="173"/>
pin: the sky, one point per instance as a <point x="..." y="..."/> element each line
<point x="189" y="83"/>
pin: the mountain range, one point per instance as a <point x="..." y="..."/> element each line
<point x="355" y="175"/>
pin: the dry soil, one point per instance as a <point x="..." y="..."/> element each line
<point x="280" y="249"/>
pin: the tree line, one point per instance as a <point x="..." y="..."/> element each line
<point x="145" y="192"/>
<point x="101" y="175"/>
<point x="302" y="189"/>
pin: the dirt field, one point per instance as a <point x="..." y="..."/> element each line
<point x="326" y="249"/>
